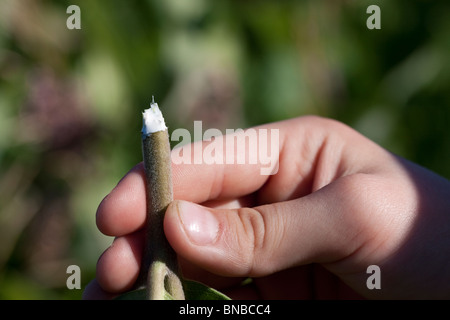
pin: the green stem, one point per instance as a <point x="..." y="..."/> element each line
<point x="162" y="280"/>
<point x="159" y="270"/>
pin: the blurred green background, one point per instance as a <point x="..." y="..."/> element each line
<point x="71" y="100"/>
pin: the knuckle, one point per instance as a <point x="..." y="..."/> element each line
<point x="250" y="239"/>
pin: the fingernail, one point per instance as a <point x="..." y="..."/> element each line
<point x="200" y="224"/>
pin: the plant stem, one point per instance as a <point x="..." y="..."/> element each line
<point x="159" y="269"/>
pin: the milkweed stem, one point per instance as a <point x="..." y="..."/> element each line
<point x="159" y="269"/>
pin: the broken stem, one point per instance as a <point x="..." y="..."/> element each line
<point x="159" y="269"/>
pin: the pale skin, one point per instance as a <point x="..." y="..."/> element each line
<point x="338" y="204"/>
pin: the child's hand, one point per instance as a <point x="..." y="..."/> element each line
<point x="338" y="204"/>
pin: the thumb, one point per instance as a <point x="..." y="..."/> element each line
<point x="256" y="241"/>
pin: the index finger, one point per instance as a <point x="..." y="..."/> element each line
<point x="124" y="209"/>
<point x="222" y="175"/>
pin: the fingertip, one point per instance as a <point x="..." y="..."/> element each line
<point x="101" y="217"/>
<point x="118" y="267"/>
<point x="122" y="211"/>
<point x="177" y="233"/>
<point x="173" y="228"/>
<point x="204" y="237"/>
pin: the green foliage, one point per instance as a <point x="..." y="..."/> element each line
<point x="70" y="100"/>
<point x="193" y="290"/>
